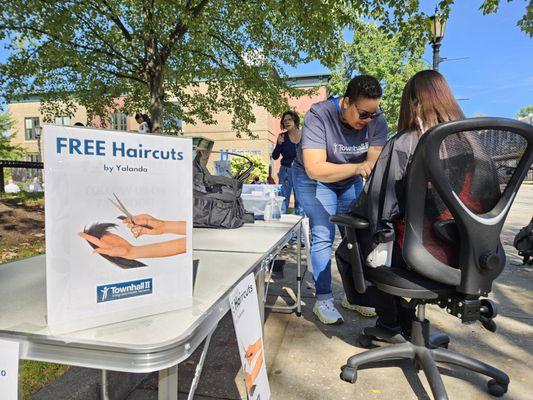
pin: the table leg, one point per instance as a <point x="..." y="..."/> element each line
<point x="200" y="366"/>
<point x="104" y="390"/>
<point x="168" y="384"/>
<point x="299" y="273"/>
<point x="260" y="284"/>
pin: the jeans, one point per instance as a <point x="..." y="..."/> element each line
<point x="320" y="201"/>
<point x="286" y="180"/>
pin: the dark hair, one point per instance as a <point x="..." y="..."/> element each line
<point x="294" y="115"/>
<point x="138" y="115"/>
<point x="427" y="98"/>
<point x="147" y="119"/>
<point x="100" y="229"/>
<point x="365" y="86"/>
<point x="78" y="124"/>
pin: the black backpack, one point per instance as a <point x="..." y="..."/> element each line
<point x="217" y="199"/>
<point x="523" y="242"/>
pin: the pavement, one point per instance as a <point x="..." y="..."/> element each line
<point x="304" y="356"/>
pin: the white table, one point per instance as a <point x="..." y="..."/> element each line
<point x="153" y="343"/>
<point x="262" y="238"/>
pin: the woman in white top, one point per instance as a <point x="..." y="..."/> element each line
<point x="145" y="125"/>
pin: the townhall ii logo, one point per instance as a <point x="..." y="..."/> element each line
<point x="122" y="290"/>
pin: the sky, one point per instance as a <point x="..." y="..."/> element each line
<point x="496" y="79"/>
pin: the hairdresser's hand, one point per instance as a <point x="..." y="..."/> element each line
<point x="156" y="226"/>
<point x="250" y="377"/>
<point x="152" y="226"/>
<point x="252" y="350"/>
<point x="364" y="169"/>
<point x="111" y="245"/>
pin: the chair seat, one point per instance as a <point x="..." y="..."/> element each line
<point x="405" y="283"/>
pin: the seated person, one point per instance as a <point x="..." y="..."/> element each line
<point x="11" y="187"/>
<point x="426" y="101"/>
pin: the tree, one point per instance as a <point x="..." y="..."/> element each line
<point x="239" y="164"/>
<point x="374" y="52"/>
<point x="525" y="111"/>
<point x="182" y="59"/>
<point x="8" y="151"/>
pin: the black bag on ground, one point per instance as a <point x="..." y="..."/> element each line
<point x="217" y="199"/>
<point x="523" y="242"/>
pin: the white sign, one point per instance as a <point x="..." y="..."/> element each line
<point x="9" y="369"/>
<point x="247" y="321"/>
<point x="118" y="225"/>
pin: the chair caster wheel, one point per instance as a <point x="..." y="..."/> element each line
<point x="365" y="341"/>
<point x="348" y="374"/>
<point x="298" y="314"/>
<point x="496" y="389"/>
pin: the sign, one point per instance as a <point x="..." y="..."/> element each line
<point x="247" y="321"/>
<point x="9" y="369"/>
<point x="118" y="225"/>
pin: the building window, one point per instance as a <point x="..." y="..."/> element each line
<point x="34" y="157"/>
<point x="63" y="120"/>
<point x="29" y="125"/>
<point x="118" y="122"/>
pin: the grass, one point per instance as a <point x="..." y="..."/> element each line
<point x="25" y="250"/>
<point x="26" y="198"/>
<point x="35" y="375"/>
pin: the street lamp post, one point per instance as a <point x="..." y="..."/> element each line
<point x="437" y="25"/>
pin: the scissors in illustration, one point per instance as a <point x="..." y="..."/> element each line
<point x="118" y="204"/>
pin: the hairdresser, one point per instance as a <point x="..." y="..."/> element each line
<point x="341" y="141"/>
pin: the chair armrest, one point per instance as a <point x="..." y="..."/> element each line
<point x="353" y="224"/>
<point x="349" y="221"/>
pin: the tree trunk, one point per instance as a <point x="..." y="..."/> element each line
<point x="155" y="83"/>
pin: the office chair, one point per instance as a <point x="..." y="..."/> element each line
<point x="450" y="176"/>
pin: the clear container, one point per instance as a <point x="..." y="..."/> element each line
<point x="272" y="209"/>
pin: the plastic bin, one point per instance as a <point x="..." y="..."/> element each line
<point x="256" y="202"/>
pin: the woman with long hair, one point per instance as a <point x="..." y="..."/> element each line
<point x="426" y="101"/>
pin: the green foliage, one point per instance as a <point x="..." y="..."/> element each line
<point x="525" y="111"/>
<point x="260" y="170"/>
<point x="8" y="151"/>
<point x="375" y="52"/>
<point x="525" y="24"/>
<point x="207" y="56"/>
<point x="218" y="56"/>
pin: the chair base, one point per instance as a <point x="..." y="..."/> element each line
<point x="425" y="351"/>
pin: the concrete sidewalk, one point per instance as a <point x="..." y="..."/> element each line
<point x="304" y="356"/>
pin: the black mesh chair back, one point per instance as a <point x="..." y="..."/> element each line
<point x="461" y="184"/>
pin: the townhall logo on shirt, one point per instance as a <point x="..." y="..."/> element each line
<point x="352" y="150"/>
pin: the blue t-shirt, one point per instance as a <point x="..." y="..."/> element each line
<point x="323" y="129"/>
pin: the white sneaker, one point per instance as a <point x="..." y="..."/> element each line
<point x="327" y="313"/>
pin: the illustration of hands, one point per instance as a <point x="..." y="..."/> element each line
<point x="110" y="245"/>
<point x="254" y="360"/>
<point x="120" y="252"/>
<point x="145" y="224"/>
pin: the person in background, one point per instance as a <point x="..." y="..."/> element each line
<point x="270" y="180"/>
<point x="145" y="125"/>
<point x="11" y="187"/>
<point x="341" y="141"/>
<point x="35" y="185"/>
<point x="286" y="148"/>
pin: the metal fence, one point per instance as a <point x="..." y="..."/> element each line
<point x="21" y="171"/>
